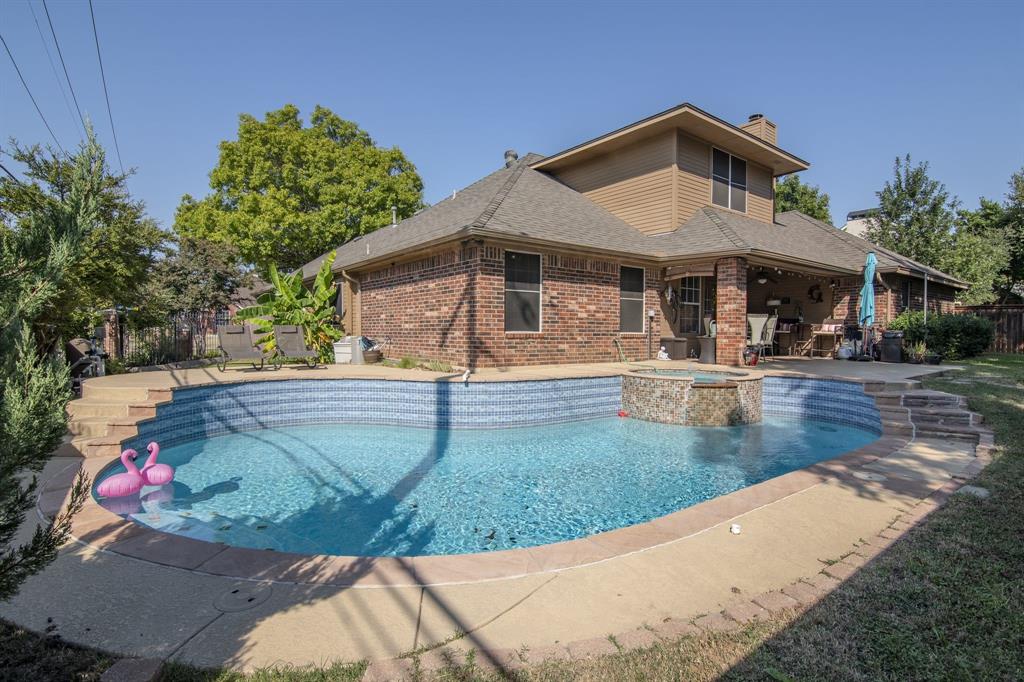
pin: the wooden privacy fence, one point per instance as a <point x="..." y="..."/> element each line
<point x="1009" y="322"/>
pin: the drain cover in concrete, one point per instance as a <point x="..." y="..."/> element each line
<point x="243" y="596"/>
<point x="975" y="490"/>
<point x="869" y="476"/>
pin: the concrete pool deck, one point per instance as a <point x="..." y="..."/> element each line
<point x="116" y="588"/>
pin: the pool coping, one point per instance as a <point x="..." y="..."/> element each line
<point x="105" y="531"/>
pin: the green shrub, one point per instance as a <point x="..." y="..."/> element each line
<point x="408" y="362"/>
<point x="439" y="366"/>
<point x="951" y="336"/>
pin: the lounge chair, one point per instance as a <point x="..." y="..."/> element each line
<point x="237" y="345"/>
<point x="291" y="343"/>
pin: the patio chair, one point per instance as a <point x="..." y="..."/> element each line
<point x="291" y="343"/>
<point x="831" y="330"/>
<point x="755" y="328"/>
<point x="237" y="345"/>
<point x="768" y="342"/>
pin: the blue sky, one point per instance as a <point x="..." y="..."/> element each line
<point x="850" y="86"/>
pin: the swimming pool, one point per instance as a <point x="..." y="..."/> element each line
<point x="382" y="490"/>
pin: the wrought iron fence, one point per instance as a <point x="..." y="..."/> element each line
<point x="190" y="335"/>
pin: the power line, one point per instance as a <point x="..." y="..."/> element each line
<point x="61" y="55"/>
<point x="4" y="168"/>
<point x="105" y="94"/>
<point x="31" y="97"/>
<point x="53" y="67"/>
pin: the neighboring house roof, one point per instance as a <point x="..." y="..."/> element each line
<point x="523" y="204"/>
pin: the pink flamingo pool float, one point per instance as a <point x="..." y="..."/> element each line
<point x="132" y="480"/>
<point x="153" y="473"/>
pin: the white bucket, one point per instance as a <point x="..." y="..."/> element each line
<point x="343" y="351"/>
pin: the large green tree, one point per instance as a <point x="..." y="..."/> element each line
<point x="1011" y="283"/>
<point x="195" y="275"/>
<point x="116" y="255"/>
<point x="916" y="214"/>
<point x="285" y="193"/>
<point x="42" y="242"/>
<point x="793" y="195"/>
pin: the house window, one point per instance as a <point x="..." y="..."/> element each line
<point x="631" y="300"/>
<point x="689" y="305"/>
<point x="728" y="181"/>
<point x="905" y="296"/>
<point x="710" y="300"/>
<point x="522" y="292"/>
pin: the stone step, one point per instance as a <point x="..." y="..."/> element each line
<point x="105" y="393"/>
<point x="894" y="427"/>
<point x="944" y="415"/>
<point x="97" y="408"/>
<point x="88" y="426"/>
<point x="949" y="432"/>
<point x="917" y="399"/>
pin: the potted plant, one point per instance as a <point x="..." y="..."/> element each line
<point x="932" y="358"/>
<point x="916" y="352"/>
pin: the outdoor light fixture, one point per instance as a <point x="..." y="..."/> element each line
<point x="762" y="277"/>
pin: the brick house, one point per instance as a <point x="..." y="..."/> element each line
<point x="617" y="246"/>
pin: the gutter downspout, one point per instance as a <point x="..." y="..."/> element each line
<point x="925" y="297"/>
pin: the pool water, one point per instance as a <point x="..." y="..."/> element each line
<point x="399" y="491"/>
<point x="698" y="377"/>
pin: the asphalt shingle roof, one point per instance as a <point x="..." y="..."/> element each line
<point x="525" y="204"/>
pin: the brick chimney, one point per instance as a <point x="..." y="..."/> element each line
<point x="759" y="126"/>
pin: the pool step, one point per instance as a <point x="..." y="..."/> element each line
<point x="125" y="394"/>
<point x="97" y="408"/>
<point x="89" y="426"/>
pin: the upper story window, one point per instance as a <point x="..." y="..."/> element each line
<point x="522" y="292"/>
<point x="631" y="300"/>
<point x="728" y="181"/>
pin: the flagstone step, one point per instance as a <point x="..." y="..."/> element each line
<point x="89" y="426"/>
<point x="97" y="408"/>
<point x="126" y="394"/>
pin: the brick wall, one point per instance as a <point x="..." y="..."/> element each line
<point x="451" y="307"/>
<point x="425" y="306"/>
<point x="579" y="313"/>
<point x="731" y="311"/>
<point x="890" y="302"/>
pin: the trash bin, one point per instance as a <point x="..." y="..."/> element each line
<point x="892" y="346"/>
<point x="707" y="349"/>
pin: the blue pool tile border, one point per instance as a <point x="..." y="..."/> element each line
<point x="208" y="411"/>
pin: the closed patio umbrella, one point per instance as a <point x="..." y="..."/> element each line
<point x="866" y="306"/>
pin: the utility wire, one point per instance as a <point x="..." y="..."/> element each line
<point x="105" y="93"/>
<point x="12" y="176"/>
<point x="53" y="68"/>
<point x="61" y="55"/>
<point x="31" y="96"/>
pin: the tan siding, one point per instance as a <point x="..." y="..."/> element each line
<point x="693" y="177"/>
<point x="759" y="193"/>
<point x="634" y="183"/>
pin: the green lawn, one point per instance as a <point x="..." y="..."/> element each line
<point x="944" y="602"/>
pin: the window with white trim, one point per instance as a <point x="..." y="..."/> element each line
<point x="728" y="181"/>
<point x="689" y="305"/>
<point x="631" y="300"/>
<point x="522" y="292"/>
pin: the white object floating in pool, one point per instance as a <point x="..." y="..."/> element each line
<point x="735" y="529"/>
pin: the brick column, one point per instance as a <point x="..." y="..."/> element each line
<point x="731" y="310"/>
